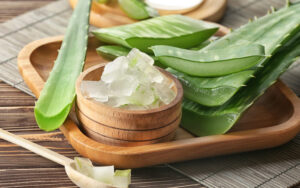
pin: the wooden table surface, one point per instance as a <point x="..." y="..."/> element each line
<point x="21" y="168"/>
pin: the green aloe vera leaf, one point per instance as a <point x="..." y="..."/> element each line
<point x="201" y="120"/>
<point x="272" y="31"/>
<point x="58" y="94"/>
<point x="173" y="30"/>
<point x="137" y="9"/>
<point x="210" y="63"/>
<point x="211" y="91"/>
<point x="284" y="23"/>
<point x="101" y="1"/>
<point x="112" y="52"/>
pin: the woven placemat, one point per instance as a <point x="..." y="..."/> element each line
<point x="278" y="167"/>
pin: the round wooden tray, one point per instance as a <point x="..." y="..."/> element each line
<point x="112" y="15"/>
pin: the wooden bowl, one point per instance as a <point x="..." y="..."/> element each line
<point x="117" y="126"/>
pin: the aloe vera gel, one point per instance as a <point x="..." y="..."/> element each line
<point x="105" y="174"/>
<point x="131" y="82"/>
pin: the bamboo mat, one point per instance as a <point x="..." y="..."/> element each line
<point x="278" y="167"/>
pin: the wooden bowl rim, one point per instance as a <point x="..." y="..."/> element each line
<point x="176" y="100"/>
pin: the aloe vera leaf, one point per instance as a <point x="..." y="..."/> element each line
<point x="137" y="9"/>
<point x="101" y="1"/>
<point x="272" y="31"/>
<point x="210" y="63"/>
<point x="201" y="120"/>
<point x="173" y="30"/>
<point x="112" y="52"/>
<point x="58" y="94"/>
<point x="263" y="31"/>
<point x="201" y="45"/>
<point x="211" y="91"/>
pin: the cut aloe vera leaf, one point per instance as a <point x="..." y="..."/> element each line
<point x="212" y="62"/>
<point x="112" y="52"/>
<point x="58" y="94"/>
<point x="201" y="120"/>
<point x="211" y="91"/>
<point x="137" y="9"/>
<point x="173" y="30"/>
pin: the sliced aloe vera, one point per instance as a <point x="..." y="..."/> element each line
<point x="112" y="52"/>
<point x="202" y="121"/>
<point x="173" y="30"/>
<point x="58" y="94"/>
<point x="211" y="91"/>
<point x="137" y="9"/>
<point x="122" y="178"/>
<point x="210" y="63"/>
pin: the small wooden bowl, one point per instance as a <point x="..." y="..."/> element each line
<point x="123" y="127"/>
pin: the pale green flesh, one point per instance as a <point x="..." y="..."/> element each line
<point x="233" y="52"/>
<point x="212" y="62"/>
<point x="58" y="94"/>
<point x="174" y="30"/>
<point x="202" y="121"/>
<point x="212" y="69"/>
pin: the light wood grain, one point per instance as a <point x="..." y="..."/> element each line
<point x="10" y="9"/>
<point x="112" y="15"/>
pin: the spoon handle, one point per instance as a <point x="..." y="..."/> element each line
<point x="35" y="148"/>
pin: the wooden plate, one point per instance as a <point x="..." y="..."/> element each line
<point x="112" y="15"/>
<point x="273" y="120"/>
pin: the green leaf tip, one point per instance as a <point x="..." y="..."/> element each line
<point x="51" y="123"/>
<point x="288" y="3"/>
<point x="58" y="94"/>
<point x="273" y="9"/>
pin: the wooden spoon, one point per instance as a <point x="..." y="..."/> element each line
<point x="76" y="177"/>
